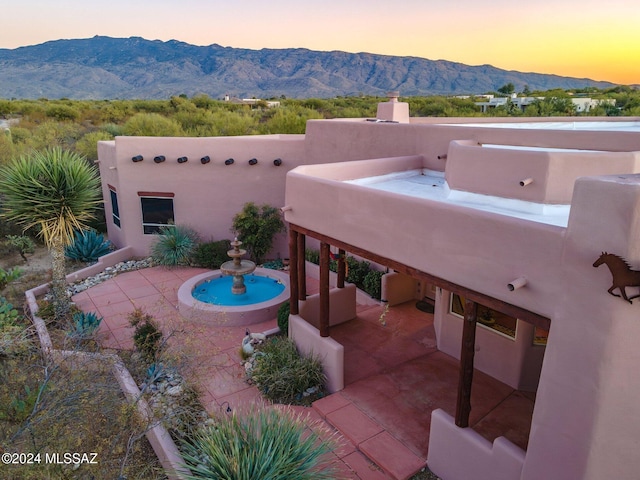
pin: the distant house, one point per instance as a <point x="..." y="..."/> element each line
<point x="499" y="223"/>
<point x="251" y="101"/>
<point x="582" y="104"/>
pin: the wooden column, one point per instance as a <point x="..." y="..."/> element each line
<point x="324" y="289"/>
<point x="293" y="272"/>
<point x="342" y="268"/>
<point x="467" y="351"/>
<point x="302" y="271"/>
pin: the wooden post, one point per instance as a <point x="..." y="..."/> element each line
<point x="324" y="289"/>
<point x="293" y="272"/>
<point x="342" y="268"/>
<point x="300" y="265"/>
<point x="467" y="351"/>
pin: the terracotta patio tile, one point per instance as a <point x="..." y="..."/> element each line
<point x="224" y="382"/>
<point x="158" y="274"/>
<point x="116" y="308"/>
<point x="364" y="468"/>
<point x="330" y="404"/>
<point x="392" y="456"/>
<point x="354" y="424"/>
<point x="240" y="399"/>
<point x="139" y="291"/>
<point x="105" y="288"/>
<point x="110" y="298"/>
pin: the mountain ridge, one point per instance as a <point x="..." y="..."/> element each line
<point x="104" y="67"/>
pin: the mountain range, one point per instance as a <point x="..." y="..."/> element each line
<point x="125" y="68"/>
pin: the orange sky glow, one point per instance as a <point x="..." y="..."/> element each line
<point x="586" y="39"/>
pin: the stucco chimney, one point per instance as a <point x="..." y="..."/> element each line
<point x="393" y="110"/>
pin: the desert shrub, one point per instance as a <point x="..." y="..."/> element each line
<point x="373" y="283"/>
<point x="8" y="276"/>
<point x="152" y="125"/>
<point x="257" y="226"/>
<point x="283" y="317"/>
<point x="312" y="256"/>
<point x="84" y="325"/>
<point x="88" y="246"/>
<point x="147" y="337"/>
<point x="266" y="443"/>
<point x="276" y="264"/>
<point x="211" y="254"/>
<point x="283" y="375"/>
<point x="8" y="314"/>
<point x="22" y="243"/>
<point x="357" y="271"/>
<point x="174" y="245"/>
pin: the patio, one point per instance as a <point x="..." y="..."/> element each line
<point x="394" y="374"/>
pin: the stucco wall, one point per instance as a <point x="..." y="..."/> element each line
<point x="207" y="196"/>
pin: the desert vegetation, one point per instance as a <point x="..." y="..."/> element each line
<point x="78" y="125"/>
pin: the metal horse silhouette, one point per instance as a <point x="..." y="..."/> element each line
<point x="623" y="275"/>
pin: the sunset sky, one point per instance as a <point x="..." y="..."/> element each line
<point x="587" y="38"/>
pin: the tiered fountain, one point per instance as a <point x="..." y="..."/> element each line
<point x="222" y="295"/>
<point x="237" y="267"/>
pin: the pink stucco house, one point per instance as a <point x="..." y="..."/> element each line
<point x="497" y="222"/>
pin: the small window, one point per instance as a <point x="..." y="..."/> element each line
<point x="156" y="213"/>
<point x="486" y="317"/>
<point x="114" y="207"/>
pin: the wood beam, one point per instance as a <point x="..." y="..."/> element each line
<point x="503" y="307"/>
<point x="324" y="289"/>
<point x="467" y="352"/>
<point x="293" y="272"/>
<point x="301" y="266"/>
<point x="342" y="268"/>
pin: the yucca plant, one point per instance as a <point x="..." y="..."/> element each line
<point x="174" y="245"/>
<point x="56" y="192"/>
<point x="87" y="246"/>
<point x="259" y="444"/>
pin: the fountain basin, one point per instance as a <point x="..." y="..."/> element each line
<point x="236" y="312"/>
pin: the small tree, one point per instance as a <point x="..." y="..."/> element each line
<point x="55" y="192"/>
<point x="257" y="226"/>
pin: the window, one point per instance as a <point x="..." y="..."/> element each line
<point x="114" y="206"/>
<point x="486" y="317"/>
<point x="156" y="212"/>
<point x="540" y="336"/>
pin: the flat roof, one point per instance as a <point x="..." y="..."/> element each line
<point x="431" y="185"/>
<point x="604" y="126"/>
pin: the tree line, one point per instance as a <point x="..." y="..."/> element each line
<point x="78" y="125"/>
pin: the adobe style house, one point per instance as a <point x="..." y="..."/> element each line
<point x="498" y="222"/>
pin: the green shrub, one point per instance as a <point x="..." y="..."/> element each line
<point x="211" y="254"/>
<point x="283" y="375"/>
<point x="88" y="246"/>
<point x="8" y="276"/>
<point x="261" y="444"/>
<point x="257" y="226"/>
<point x="8" y="314"/>
<point x="276" y="264"/>
<point x="174" y="246"/>
<point x="312" y="256"/>
<point x="283" y="317"/>
<point x="373" y="283"/>
<point x="23" y="244"/>
<point x="147" y="337"/>
<point x="357" y="271"/>
<point x="84" y="325"/>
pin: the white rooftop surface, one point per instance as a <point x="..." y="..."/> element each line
<point x="431" y="185"/>
<point x="584" y="126"/>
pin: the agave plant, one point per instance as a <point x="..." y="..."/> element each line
<point x="85" y="324"/>
<point x="88" y="246"/>
<point x="262" y="443"/>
